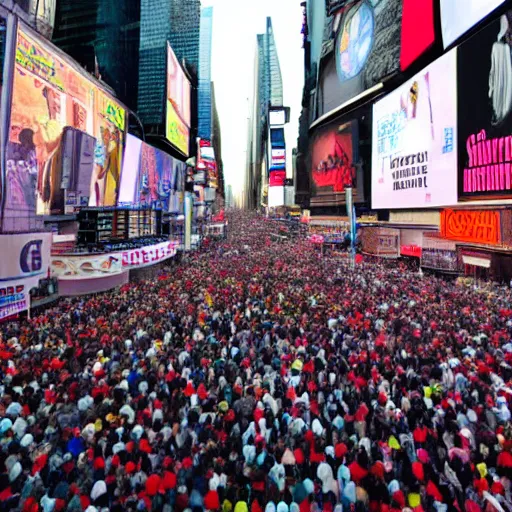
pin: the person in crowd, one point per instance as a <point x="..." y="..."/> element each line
<point x="258" y="376"/>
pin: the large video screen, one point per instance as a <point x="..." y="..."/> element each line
<point x="150" y="177"/>
<point x="178" y="104"/>
<point x="414" y="156"/>
<point x="485" y="129"/>
<point x="366" y="50"/>
<point x="64" y="131"/>
<point x="459" y="16"/>
<point x="334" y="158"/>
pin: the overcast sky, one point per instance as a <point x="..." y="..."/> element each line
<point x="235" y="25"/>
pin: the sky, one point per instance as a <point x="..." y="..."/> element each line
<point x="235" y="25"/>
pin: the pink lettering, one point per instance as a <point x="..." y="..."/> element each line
<point x="125" y="259"/>
<point x="470" y="148"/>
<point x="507" y="176"/>
<point x="502" y="176"/>
<point x="501" y="149"/>
<point x="507" y="149"/>
<point x="496" y="173"/>
<point x="145" y="257"/>
<point x="495" y="150"/>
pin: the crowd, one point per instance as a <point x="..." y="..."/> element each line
<point x="259" y="376"/>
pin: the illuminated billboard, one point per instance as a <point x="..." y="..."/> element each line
<point x="150" y="177"/>
<point x="485" y="130"/>
<point x="62" y="125"/>
<point x="277" y="117"/>
<point x="278" y="159"/>
<point x="459" y="16"/>
<point x="414" y="148"/>
<point x="178" y="104"/>
<point x="334" y="150"/>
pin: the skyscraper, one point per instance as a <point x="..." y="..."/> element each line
<point x="267" y="92"/>
<point x="106" y="34"/>
<point x="205" y="74"/>
<point x="217" y="142"/>
<point x="128" y="42"/>
<point x="184" y="38"/>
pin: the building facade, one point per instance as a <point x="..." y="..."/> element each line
<point x="205" y="74"/>
<point x="217" y="142"/>
<point x="103" y="37"/>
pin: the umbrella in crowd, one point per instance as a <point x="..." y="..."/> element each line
<point x="258" y="376"/>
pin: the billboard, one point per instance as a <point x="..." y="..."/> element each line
<point x="178" y="104"/>
<point x="414" y="157"/>
<point x="366" y="50"/>
<point x="459" y="16"/>
<point x="334" y="150"/>
<point x="418" y="32"/>
<point x="484" y="72"/>
<point x="277" y="117"/>
<point x="278" y="159"/>
<point x="277" y="178"/>
<point x="149" y="177"/>
<point x="65" y="140"/>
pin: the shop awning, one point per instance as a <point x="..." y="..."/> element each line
<point x="476" y="261"/>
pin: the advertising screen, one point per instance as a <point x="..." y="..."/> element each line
<point x="178" y="104"/>
<point x="366" y="50"/>
<point x="278" y="158"/>
<point x="156" y="178"/>
<point x="130" y="172"/>
<point x="484" y="65"/>
<point x="277" y="178"/>
<point x="418" y="32"/>
<point x="414" y="157"/>
<point x="459" y="16"/>
<point x="149" y="177"/>
<point x="56" y="116"/>
<point x="277" y="117"/>
<point x="207" y="153"/>
<point x="334" y="159"/>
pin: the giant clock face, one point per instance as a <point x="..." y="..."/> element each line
<point x="354" y="41"/>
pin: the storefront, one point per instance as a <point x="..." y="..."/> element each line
<point x="439" y="254"/>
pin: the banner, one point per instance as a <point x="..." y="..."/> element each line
<point x="459" y="16"/>
<point x="91" y="266"/>
<point x="485" y="129"/>
<point x="414" y="158"/>
<point x="476" y="226"/>
<point x="334" y="152"/>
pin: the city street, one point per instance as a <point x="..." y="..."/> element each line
<point x="256" y="373"/>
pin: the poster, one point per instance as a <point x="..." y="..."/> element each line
<point x="334" y="164"/>
<point x="459" y="16"/>
<point x="414" y="156"/>
<point x="485" y="129"/>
